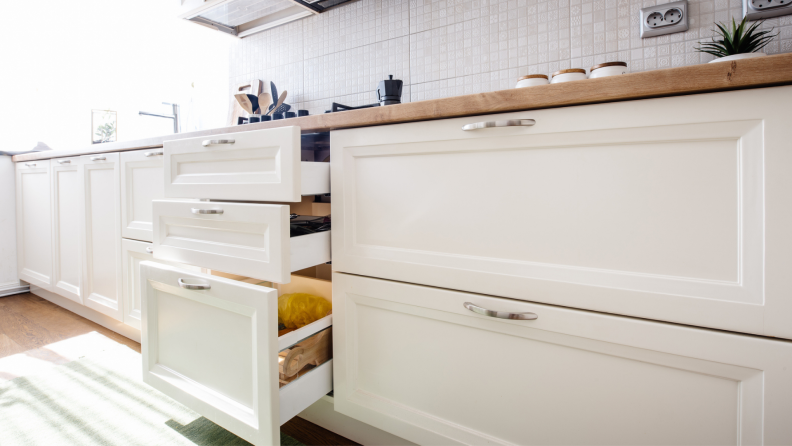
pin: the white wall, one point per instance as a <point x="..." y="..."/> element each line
<point x="61" y="59"/>
<point x="443" y="48"/>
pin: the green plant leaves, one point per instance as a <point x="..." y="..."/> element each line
<point x="737" y="40"/>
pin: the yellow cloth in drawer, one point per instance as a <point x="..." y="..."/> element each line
<point x="296" y="310"/>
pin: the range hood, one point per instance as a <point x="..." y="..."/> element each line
<point x="242" y="18"/>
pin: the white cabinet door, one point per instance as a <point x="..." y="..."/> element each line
<point x="674" y="209"/>
<point x="142" y="181"/>
<point x="101" y="199"/>
<point x="413" y="361"/>
<point x="34" y="223"/>
<point x="66" y="227"/>
<point x="259" y="165"/>
<point x="212" y="344"/>
<point x="247" y="239"/>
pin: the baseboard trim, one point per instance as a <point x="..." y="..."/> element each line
<point x="88" y="313"/>
<point x="322" y="413"/>
<point x="7" y="289"/>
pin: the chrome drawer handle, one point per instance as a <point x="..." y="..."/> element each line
<point x="491" y="124"/>
<point x="98" y="158"/>
<point x="150" y="250"/>
<point x="193" y="287"/>
<point x="147" y="154"/>
<point x="216" y="142"/>
<point x="30" y="164"/>
<point x="63" y="161"/>
<point x="500" y="314"/>
<point x="207" y="211"/>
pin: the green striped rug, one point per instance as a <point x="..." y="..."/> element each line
<point x="100" y="399"/>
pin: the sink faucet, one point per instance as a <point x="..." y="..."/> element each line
<point x="175" y="116"/>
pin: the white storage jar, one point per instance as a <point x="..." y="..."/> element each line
<point x="571" y="74"/>
<point x="608" y="69"/>
<point x="532" y="80"/>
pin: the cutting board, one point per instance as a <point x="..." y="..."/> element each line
<point x="235" y="110"/>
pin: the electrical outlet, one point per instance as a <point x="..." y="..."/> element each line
<point x="668" y="18"/>
<point x="764" y="9"/>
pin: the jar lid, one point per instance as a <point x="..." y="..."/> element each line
<point x="570" y="70"/>
<point x="534" y="76"/>
<point x="609" y="64"/>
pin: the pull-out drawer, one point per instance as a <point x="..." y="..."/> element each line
<point x="674" y="209"/>
<point x="247" y="239"/>
<point x="259" y="165"/>
<point x="424" y="364"/>
<point x="212" y="344"/>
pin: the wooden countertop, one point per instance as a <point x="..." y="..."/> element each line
<point x="748" y="73"/>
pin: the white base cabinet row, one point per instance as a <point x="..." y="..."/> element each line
<point x="413" y="361"/>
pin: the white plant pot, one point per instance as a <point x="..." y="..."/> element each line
<point x="738" y="57"/>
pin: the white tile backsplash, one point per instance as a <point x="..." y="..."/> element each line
<point x="443" y="48"/>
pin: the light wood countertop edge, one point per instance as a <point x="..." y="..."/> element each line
<point x="704" y="78"/>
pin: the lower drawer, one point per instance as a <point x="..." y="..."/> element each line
<point x="248" y="239"/>
<point x="416" y="362"/>
<point x="212" y="344"/>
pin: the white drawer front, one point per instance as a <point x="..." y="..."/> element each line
<point x="413" y="361"/>
<point x="259" y="165"/>
<point x="246" y="239"/>
<point x="215" y="350"/>
<point x="673" y="209"/>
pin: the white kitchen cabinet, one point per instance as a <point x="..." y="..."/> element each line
<point x="415" y="362"/>
<point x="101" y="223"/>
<point x="34" y="223"/>
<point x="258" y="165"/>
<point x="247" y="239"/>
<point x="212" y="344"/>
<point x="133" y="252"/>
<point x="674" y="209"/>
<point x="142" y="181"/>
<point x="66" y="227"/>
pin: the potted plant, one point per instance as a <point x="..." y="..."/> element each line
<point x="739" y="42"/>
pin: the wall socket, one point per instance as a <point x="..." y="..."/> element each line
<point x="667" y="19"/>
<point x="764" y="9"/>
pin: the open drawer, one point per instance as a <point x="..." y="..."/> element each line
<point x="212" y="344"/>
<point x="249" y="239"/>
<point x="259" y="165"/>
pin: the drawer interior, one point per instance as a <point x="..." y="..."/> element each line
<point x="302" y="350"/>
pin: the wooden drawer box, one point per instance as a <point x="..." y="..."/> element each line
<point x="247" y="239"/>
<point x="259" y="165"/>
<point x="212" y="344"/>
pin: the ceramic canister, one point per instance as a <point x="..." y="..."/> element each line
<point x="608" y="69"/>
<point x="532" y="80"/>
<point x="572" y="74"/>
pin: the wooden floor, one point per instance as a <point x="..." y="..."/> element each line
<point x="28" y="323"/>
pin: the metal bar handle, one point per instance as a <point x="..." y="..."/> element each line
<point x="191" y="286"/>
<point x="63" y="161"/>
<point x="492" y="124"/>
<point x="147" y="154"/>
<point x="206" y="211"/>
<point x="150" y="250"/>
<point x="30" y="164"/>
<point x="98" y="158"/>
<point x="217" y="142"/>
<point x="500" y="314"/>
